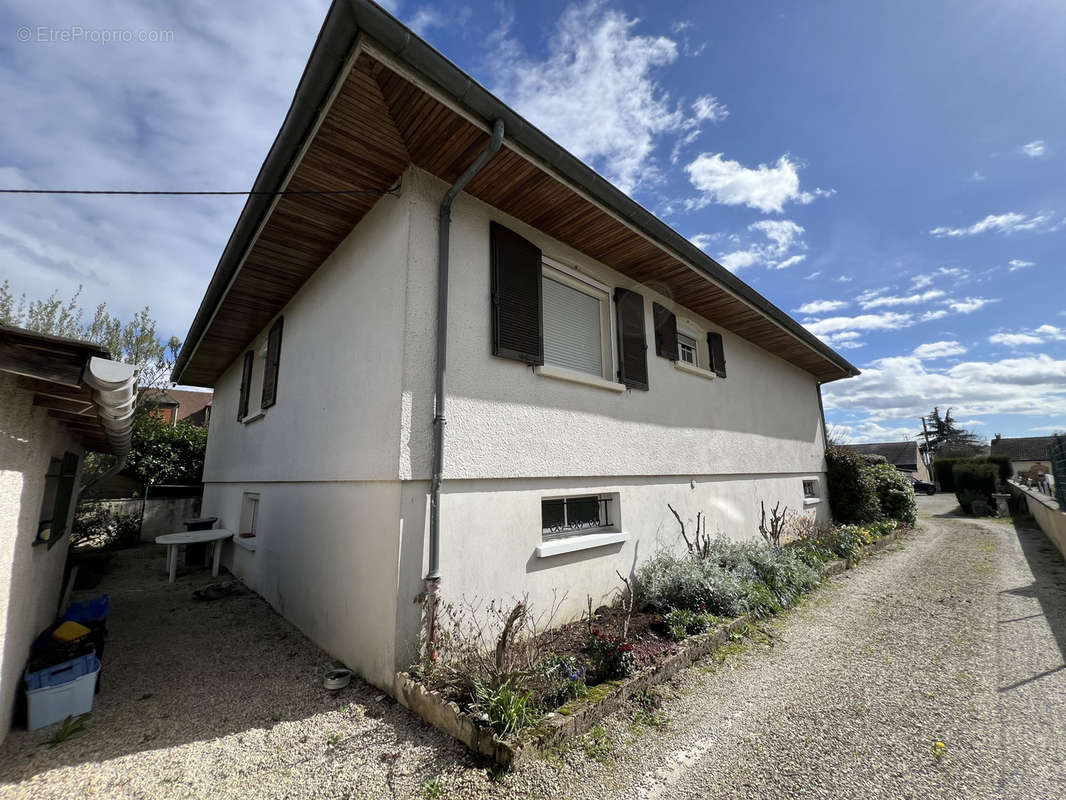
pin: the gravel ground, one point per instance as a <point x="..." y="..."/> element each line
<point x="955" y="636"/>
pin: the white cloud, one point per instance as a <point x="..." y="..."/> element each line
<point x="1014" y="339"/>
<point x="869" y="431"/>
<point x="906" y="387"/>
<point x="595" y="91"/>
<point x="781" y="236"/>
<point x="812" y="276"/>
<point x="707" y="108"/>
<point x="1035" y="149"/>
<point x="843" y="279"/>
<point x="1036" y="336"/>
<point x="938" y="350"/>
<point x="883" y="301"/>
<point x="1017" y="264"/>
<point x="426" y="18"/>
<point x="765" y="188"/>
<point x="141" y="115"/>
<point x="921" y="281"/>
<point x="703" y="240"/>
<point x="1010" y="222"/>
<point x="864" y="322"/>
<point x="976" y="176"/>
<point x="969" y="304"/>
<point x="930" y="316"/>
<point x="821" y="306"/>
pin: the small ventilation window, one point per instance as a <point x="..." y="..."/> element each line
<point x="567" y="516"/>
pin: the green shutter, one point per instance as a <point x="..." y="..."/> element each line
<point x="68" y="475"/>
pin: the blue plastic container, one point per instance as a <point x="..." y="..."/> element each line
<point x="62" y="672"/>
<point x="95" y="610"/>
<point x="66" y="690"/>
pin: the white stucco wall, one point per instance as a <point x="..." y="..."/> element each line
<point x="342" y="462"/>
<point x="30" y="577"/>
<point x="324" y="459"/>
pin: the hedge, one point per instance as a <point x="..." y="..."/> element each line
<point x="852" y="488"/>
<point x="942" y="472"/>
<point x="895" y="493"/>
<point x="975" y="479"/>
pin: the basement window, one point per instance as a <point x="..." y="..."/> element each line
<point x="810" y="490"/>
<point x="567" y="516"/>
<point x="249" y="520"/>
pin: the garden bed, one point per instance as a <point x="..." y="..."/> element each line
<point x="656" y="657"/>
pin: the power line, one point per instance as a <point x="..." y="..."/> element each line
<point x="250" y="193"/>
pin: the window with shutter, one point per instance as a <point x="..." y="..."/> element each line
<point x="665" y="332"/>
<point x="632" y="343"/>
<point x="575" y="320"/>
<point x="516" y="297"/>
<point x="717" y="353"/>
<point x="246" y="385"/>
<point x="273" y="359"/>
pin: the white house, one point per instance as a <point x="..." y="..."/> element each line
<point x="58" y="398"/>
<point x="592" y="365"/>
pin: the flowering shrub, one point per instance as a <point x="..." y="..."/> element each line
<point x="566" y="678"/>
<point x="681" y="622"/>
<point x="612" y="656"/>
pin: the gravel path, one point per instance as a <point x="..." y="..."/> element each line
<point x="955" y="636"/>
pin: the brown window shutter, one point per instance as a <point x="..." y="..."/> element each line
<point x="632" y="344"/>
<point x="665" y="332"/>
<point x="246" y="385"/>
<point x="270" y="374"/>
<point x="717" y="351"/>
<point x="516" y="297"/>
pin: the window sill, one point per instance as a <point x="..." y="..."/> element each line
<point x="585" y="541"/>
<point x="703" y="373"/>
<point x="563" y="374"/>
<point x="811" y="501"/>
<point x="248" y="543"/>
<point x="253" y="417"/>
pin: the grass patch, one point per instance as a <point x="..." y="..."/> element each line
<point x="596" y="745"/>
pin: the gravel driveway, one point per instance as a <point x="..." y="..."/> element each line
<point x="956" y="636"/>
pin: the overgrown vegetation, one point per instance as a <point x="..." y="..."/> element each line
<point x="509" y="667"/>
<point x="864" y="490"/>
<point x="975" y="482"/>
<point x="161" y="453"/>
<point x="97" y="526"/>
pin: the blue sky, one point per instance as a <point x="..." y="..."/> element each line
<point x="891" y="174"/>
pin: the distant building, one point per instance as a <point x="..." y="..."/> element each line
<point x="178" y="405"/>
<point x="1024" y="451"/>
<point x="904" y="456"/>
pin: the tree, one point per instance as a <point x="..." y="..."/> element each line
<point x="163" y="453"/>
<point x="944" y="436"/>
<point x="134" y="342"/>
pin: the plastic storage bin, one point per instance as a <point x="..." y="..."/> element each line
<point x="65" y="690"/>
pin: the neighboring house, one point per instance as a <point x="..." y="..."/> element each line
<point x="904" y="456"/>
<point x="178" y="405"/>
<point x="58" y="398"/>
<point x="599" y="366"/>
<point x="1024" y="452"/>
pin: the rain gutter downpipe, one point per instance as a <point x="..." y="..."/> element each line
<point x="444" y="238"/>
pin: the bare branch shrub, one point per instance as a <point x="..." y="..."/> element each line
<point x="627" y="604"/>
<point x="488" y="644"/>
<point x="772" y="534"/>
<point x="700" y="545"/>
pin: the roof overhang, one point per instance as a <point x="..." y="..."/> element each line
<point x="374" y="98"/>
<point x="92" y="396"/>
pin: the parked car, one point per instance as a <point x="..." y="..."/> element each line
<point x="922" y="487"/>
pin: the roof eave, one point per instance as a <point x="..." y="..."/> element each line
<point x="344" y="22"/>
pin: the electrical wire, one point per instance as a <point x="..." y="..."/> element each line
<point x="250" y="193"/>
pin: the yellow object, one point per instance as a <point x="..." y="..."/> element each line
<point x="69" y="631"/>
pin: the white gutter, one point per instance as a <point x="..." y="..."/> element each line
<point x="115" y="394"/>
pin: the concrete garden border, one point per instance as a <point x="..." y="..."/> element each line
<point x="579" y="716"/>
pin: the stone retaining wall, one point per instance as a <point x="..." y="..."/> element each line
<point x="1046" y="512"/>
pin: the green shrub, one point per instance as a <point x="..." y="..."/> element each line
<point x="975" y="482"/>
<point x="852" y="488"/>
<point x="1006" y="470"/>
<point x="731" y="580"/>
<point x="895" y="494"/>
<point x="943" y="475"/>
<point x="508" y="708"/>
<point x="681" y="622"/>
<point x="95" y="525"/>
